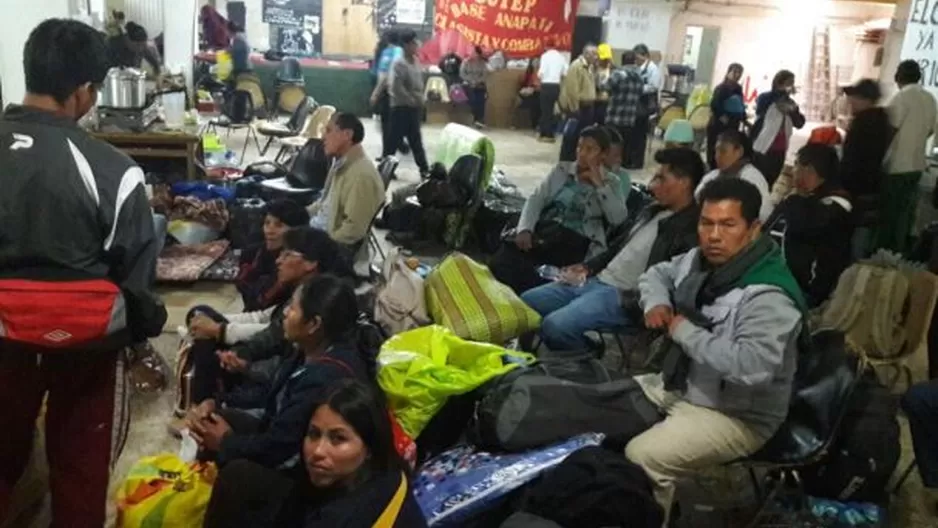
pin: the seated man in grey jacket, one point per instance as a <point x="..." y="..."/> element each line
<point x="733" y="314"/>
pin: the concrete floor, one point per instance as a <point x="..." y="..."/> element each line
<point x="525" y="161"/>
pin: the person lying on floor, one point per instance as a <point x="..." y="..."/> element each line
<point x="815" y="225"/>
<point x="351" y="474"/>
<point x="257" y="275"/>
<point x="320" y="323"/>
<point x="733" y="315"/>
<point x="594" y="294"/>
<point x="353" y="192"/>
<point x="565" y="220"/>
<point x="240" y="351"/>
<point x="734" y="160"/>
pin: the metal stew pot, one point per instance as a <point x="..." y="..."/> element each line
<point x="124" y="88"/>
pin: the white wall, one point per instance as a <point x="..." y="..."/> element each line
<point x="768" y="35"/>
<point x="13" y="33"/>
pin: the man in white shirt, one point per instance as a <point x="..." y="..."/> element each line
<point x="912" y="113"/>
<point x="553" y="67"/>
<point x="635" y="152"/>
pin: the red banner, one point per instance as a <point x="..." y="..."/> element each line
<point x="518" y="28"/>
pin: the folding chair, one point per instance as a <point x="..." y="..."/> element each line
<point x="824" y="383"/>
<point x="314" y="128"/>
<point x="273" y="130"/>
<point x="229" y="121"/>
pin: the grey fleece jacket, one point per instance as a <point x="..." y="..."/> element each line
<point x="606" y="205"/>
<point x="745" y="365"/>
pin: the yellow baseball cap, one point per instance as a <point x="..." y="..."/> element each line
<point x="604" y="51"/>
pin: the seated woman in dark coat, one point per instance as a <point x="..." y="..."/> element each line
<point x="320" y="322"/>
<point x="233" y="357"/>
<point x="351" y="477"/>
<point x="257" y="276"/>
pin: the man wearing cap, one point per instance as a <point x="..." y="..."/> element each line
<point x="912" y="113"/>
<point x="577" y="97"/>
<point x="861" y="169"/>
<point x="603" y="71"/>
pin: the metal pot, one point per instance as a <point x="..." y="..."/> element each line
<point x="124" y="88"/>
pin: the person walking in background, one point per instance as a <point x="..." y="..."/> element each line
<point x="912" y="113"/>
<point x="649" y="107"/>
<point x="240" y="51"/>
<point x="625" y="88"/>
<point x="473" y="73"/>
<point x="727" y="109"/>
<point x="776" y="115"/>
<point x="551" y="70"/>
<point x="864" y="149"/>
<point x="604" y="68"/>
<point x="577" y="97"/>
<point x="406" y="91"/>
<point x="387" y="51"/>
<point x="530" y="92"/>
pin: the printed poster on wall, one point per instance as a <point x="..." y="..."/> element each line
<point x="281" y="13"/>
<point x="639" y="22"/>
<point x="516" y="27"/>
<point x="411" y="11"/>
<point x="919" y="42"/>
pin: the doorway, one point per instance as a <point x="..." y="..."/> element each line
<point x="700" y="51"/>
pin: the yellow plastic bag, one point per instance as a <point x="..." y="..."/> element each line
<point x="421" y="368"/>
<point x="162" y="491"/>
<point x="223" y="65"/>
<point x="462" y="295"/>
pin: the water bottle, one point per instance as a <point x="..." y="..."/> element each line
<point x="548" y="272"/>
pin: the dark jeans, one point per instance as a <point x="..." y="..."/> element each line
<point x="249" y="494"/>
<point x="920" y="404"/>
<point x="770" y="165"/>
<point x="599" y="112"/>
<point x="532" y="103"/>
<point x="405" y="123"/>
<point x="638" y="141"/>
<point x="383" y="109"/>
<point x="549" y="95"/>
<point x="585" y="118"/>
<point x="477" y="97"/>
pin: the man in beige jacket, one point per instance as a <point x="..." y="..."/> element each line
<point x="354" y="190"/>
<point x="577" y="98"/>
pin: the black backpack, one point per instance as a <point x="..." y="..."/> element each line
<point x="310" y="166"/>
<point x="864" y="455"/>
<point x="557" y="398"/>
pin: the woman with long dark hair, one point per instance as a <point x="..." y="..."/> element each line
<point x="320" y="322"/>
<point x="727" y="109"/>
<point x="351" y="476"/>
<point x="776" y="115"/>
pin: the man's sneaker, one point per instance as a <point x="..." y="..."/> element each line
<point x="546" y="139"/>
<point x="479" y="125"/>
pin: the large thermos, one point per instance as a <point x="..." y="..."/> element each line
<point x="124" y="88"/>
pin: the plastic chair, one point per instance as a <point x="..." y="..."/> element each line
<point x="250" y="82"/>
<point x="274" y="130"/>
<point x="230" y="122"/>
<point x="824" y="383"/>
<point x="314" y="128"/>
<point x="699" y="119"/>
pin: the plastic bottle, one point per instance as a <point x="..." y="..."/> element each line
<point x="548" y="272"/>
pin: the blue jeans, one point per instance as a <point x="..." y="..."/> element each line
<point x="571" y="311"/>
<point x="160" y="225"/>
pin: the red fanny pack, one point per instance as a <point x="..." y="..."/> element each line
<point x="58" y="314"/>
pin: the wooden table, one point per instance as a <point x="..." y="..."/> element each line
<point x="157" y="144"/>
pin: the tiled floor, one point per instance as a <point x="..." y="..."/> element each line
<point x="525" y="161"/>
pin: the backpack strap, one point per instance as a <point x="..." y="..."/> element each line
<point x="344" y="366"/>
<point x="389" y="515"/>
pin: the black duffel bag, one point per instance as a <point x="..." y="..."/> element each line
<point x="557" y="398"/>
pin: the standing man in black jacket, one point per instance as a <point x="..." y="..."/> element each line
<point x="865" y="147"/>
<point x="77" y="259"/>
